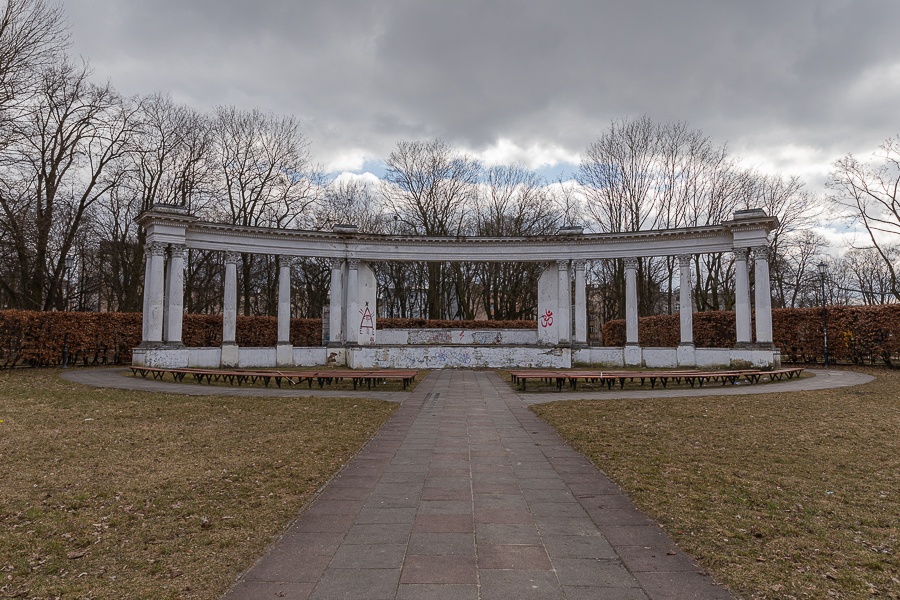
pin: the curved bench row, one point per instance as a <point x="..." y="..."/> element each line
<point x="239" y="377"/>
<point x="610" y="378"/>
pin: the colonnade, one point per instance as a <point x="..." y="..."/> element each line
<point x="352" y="314"/>
<point x="352" y="321"/>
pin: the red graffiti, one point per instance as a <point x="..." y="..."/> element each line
<point x="547" y="319"/>
<point x="366" y="321"/>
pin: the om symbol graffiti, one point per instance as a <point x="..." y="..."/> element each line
<point x="547" y="319"/>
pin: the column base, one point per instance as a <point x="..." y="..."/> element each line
<point x="284" y="354"/>
<point x="152" y="345"/>
<point x="230" y="357"/>
<point x="686" y="355"/>
<point x="634" y="355"/>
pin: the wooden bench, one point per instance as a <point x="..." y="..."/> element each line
<point x="609" y="378"/>
<point x="239" y="377"/>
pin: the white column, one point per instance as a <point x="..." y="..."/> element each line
<point x="230" y="352"/>
<point x="686" y="354"/>
<point x="633" y="354"/>
<point x="742" y="298"/>
<point x="631" y="302"/>
<point x="366" y="300"/>
<point x="353" y="314"/>
<point x="686" y="308"/>
<point x="763" y="296"/>
<point x="284" y="350"/>
<point x="336" y="303"/>
<point x="580" y="304"/>
<point x="155" y="293"/>
<point x="548" y="306"/>
<point x="145" y="313"/>
<point x="565" y="302"/>
<point x="175" y="295"/>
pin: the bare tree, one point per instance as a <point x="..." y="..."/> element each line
<point x="167" y="162"/>
<point x="350" y="201"/>
<point x="33" y="36"/>
<point x="863" y="275"/>
<point x="794" y="271"/>
<point x="60" y="164"/>
<point x="642" y="175"/>
<point x="513" y="202"/>
<point x="430" y="189"/>
<point x="265" y="179"/>
<point x="868" y="194"/>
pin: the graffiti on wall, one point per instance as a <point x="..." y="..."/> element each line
<point x="430" y="336"/>
<point x="547" y="318"/>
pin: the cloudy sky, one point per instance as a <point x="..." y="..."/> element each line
<point x="790" y="85"/>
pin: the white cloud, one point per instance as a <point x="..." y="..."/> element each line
<point x="534" y="156"/>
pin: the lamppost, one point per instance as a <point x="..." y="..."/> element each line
<point x="823" y="273"/>
<point x="70" y="263"/>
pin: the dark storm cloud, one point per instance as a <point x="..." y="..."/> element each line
<point x="818" y="75"/>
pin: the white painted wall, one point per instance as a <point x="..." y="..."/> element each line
<point x="599" y="357"/>
<point x="658" y="358"/>
<point x="311" y="357"/>
<point x="250" y="358"/>
<point x="464" y="337"/>
<point x="438" y="357"/>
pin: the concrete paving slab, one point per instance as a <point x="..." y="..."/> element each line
<point x="466" y="494"/>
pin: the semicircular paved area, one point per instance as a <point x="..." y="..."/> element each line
<point x="119" y="377"/>
<point x="465" y="494"/>
<point x="821" y="380"/>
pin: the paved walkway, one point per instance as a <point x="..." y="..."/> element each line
<point x="465" y="493"/>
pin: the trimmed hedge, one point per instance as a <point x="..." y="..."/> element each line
<point x="38" y="338"/>
<point x="856" y="334"/>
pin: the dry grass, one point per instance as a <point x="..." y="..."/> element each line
<point x="119" y="494"/>
<point x="778" y="495"/>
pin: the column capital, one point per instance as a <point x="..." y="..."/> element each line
<point x="579" y="264"/>
<point x="336" y="263"/>
<point x="287" y="260"/>
<point x="564" y="263"/>
<point x="155" y="249"/>
<point x="741" y="253"/>
<point x="353" y="263"/>
<point x="631" y="263"/>
<point x="760" y="252"/>
<point x="177" y="250"/>
<point x="685" y="259"/>
<point x="231" y="258"/>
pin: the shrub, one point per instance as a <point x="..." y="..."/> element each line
<point x="38" y="338"/>
<point x="856" y="334"/>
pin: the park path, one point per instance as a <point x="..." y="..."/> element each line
<point x="464" y="493"/>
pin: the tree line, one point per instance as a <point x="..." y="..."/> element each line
<point x="79" y="161"/>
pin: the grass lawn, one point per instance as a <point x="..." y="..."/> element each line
<point x="779" y="495"/>
<point x="118" y="494"/>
